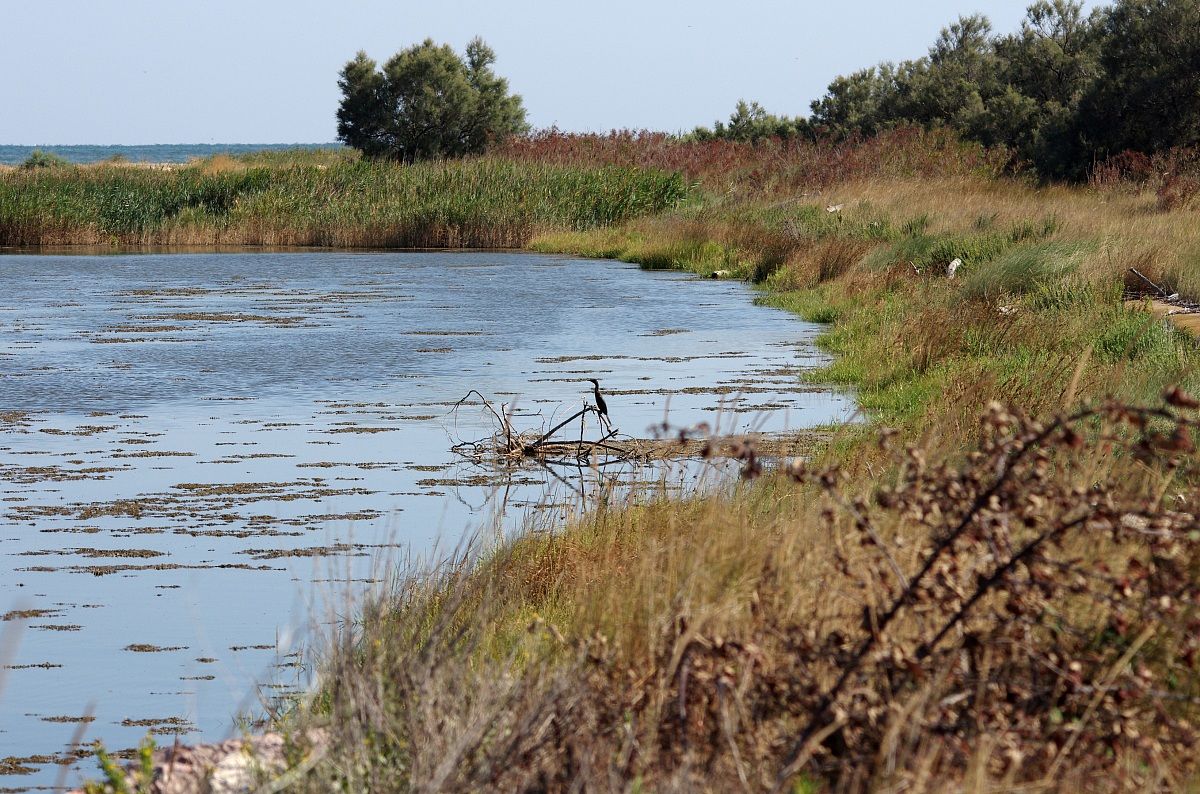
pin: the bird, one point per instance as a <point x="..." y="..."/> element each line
<point x="601" y="406"/>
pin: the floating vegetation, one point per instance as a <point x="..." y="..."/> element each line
<point x="141" y="647"/>
<point x="142" y="329"/>
<point x="108" y="570"/>
<point x="18" y="766"/>
<point x="31" y="614"/>
<point x="95" y="553"/>
<point x="164" y="726"/>
<point x="83" y="430"/>
<point x="356" y="429"/>
<point x="228" y="317"/>
<point x="57" y="627"/>
<point x="153" y="453"/>
<point x="342" y="549"/>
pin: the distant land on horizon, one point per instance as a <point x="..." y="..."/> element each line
<point x="147" y="153"/>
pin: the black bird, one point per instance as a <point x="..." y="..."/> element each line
<point x="601" y="406"/>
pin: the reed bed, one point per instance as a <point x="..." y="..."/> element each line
<point x="771" y="167"/>
<point x="479" y="203"/>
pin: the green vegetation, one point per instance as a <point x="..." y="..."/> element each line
<point x="426" y="103"/>
<point x="39" y="159"/>
<point x="1066" y="91"/>
<point x="116" y="781"/>
<point x="750" y="123"/>
<point x="469" y="203"/>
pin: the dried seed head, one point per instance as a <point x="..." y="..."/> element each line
<point x="1179" y="398"/>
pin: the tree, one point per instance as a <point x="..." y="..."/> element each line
<point x="1020" y="91"/>
<point x="1148" y="97"/>
<point x="1049" y="65"/>
<point x="854" y="104"/>
<point x="1055" y="56"/>
<point x="751" y="123"/>
<point x="950" y="86"/>
<point x="362" y="120"/>
<point x="427" y="102"/>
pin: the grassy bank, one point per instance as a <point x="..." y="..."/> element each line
<point x="1034" y="313"/>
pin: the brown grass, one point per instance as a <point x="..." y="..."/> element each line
<point x="1131" y="228"/>
<point x="976" y="626"/>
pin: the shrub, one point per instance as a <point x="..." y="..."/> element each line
<point x="39" y="159"/>
<point x="1024" y="269"/>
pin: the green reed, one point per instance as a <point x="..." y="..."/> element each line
<point x="481" y="202"/>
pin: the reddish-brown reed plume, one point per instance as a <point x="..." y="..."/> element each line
<point x="771" y="165"/>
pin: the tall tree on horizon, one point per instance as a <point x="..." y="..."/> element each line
<point x="427" y="102"/>
<point x="362" y="121"/>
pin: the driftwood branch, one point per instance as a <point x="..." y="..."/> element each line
<point x="551" y="446"/>
<point x="561" y="425"/>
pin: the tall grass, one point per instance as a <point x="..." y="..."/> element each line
<point x="770" y="167"/>
<point x="973" y="625"/>
<point x="471" y="203"/>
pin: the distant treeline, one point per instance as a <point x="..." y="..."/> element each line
<point x="1066" y="91"/>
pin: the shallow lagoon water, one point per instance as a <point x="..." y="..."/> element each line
<point x="198" y="450"/>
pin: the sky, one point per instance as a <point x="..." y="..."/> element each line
<point x="265" y="71"/>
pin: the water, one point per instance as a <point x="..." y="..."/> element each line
<point x="193" y="446"/>
<point x="149" y="153"/>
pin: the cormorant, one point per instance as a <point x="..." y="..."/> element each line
<point x="601" y="406"/>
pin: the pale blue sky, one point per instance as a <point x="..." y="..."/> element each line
<point x="265" y="71"/>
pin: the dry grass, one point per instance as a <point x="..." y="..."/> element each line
<point x="771" y="167"/>
<point x="1130" y="228"/>
<point x="965" y="626"/>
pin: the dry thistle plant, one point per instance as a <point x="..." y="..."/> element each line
<point x="1040" y="587"/>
